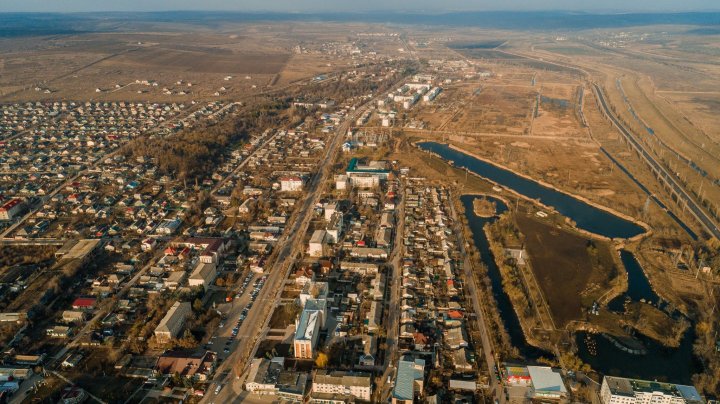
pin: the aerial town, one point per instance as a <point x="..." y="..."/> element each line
<point x="357" y="212"/>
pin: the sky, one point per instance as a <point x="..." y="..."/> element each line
<point x="360" y="6"/>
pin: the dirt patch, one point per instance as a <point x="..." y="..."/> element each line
<point x="283" y="316"/>
<point x="571" y="271"/>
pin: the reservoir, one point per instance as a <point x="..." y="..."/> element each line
<point x="586" y="216"/>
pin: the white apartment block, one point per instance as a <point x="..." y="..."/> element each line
<point x="357" y="385"/>
<point x="620" y="390"/>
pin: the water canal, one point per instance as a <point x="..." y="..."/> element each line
<point x="678" y="364"/>
<point x="508" y="315"/>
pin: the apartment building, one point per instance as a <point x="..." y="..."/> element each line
<point x="620" y="390"/>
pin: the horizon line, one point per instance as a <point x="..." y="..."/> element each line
<point x="404" y="11"/>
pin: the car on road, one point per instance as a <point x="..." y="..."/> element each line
<point x="218" y="388"/>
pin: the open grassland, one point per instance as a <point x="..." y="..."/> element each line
<point x="572" y="270"/>
<point x="556" y="113"/>
<point x="496" y="109"/>
<point x="178" y="66"/>
<point x="202" y="60"/>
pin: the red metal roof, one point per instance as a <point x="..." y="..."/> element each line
<point x="11" y="204"/>
<point x="84" y="302"/>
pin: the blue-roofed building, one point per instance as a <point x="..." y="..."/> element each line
<point x="689" y="393"/>
<point x="409" y="380"/>
<point x="311" y="319"/>
<point x="306" y="334"/>
<point x="546" y="382"/>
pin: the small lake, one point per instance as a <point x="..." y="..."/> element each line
<point x="639" y="288"/>
<point x="586" y="216"/>
<point x="661" y="363"/>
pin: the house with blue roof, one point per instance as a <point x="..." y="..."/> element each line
<point x="409" y="381"/>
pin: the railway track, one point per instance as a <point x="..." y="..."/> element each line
<point x="661" y="173"/>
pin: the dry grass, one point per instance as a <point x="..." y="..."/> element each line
<point x="564" y="268"/>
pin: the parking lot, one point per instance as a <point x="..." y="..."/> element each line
<point x="234" y="313"/>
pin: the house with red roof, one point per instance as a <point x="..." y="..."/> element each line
<point x="11" y="209"/>
<point x="84" y="303"/>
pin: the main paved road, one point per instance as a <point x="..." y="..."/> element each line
<point x="392" y="325"/>
<point x="255" y="325"/>
<point x="667" y="177"/>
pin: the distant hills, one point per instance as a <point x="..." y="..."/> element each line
<point x="24" y="24"/>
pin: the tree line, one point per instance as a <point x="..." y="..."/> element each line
<point x="194" y="153"/>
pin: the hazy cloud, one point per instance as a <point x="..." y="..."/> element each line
<point x="353" y="5"/>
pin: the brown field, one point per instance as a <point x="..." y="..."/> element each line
<point x="574" y="165"/>
<point x="671" y="82"/>
<point x="564" y="269"/>
<point x="556" y="114"/>
<point x="700" y="108"/>
<point x="447" y="105"/>
<point x="303" y="66"/>
<point x="202" y="60"/>
<point x="496" y="109"/>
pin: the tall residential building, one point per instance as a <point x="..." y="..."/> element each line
<point x="306" y="336"/>
<point x="619" y="390"/>
<point x="312" y="318"/>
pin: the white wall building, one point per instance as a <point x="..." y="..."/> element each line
<point x="341" y="182"/>
<point x="291" y="184"/>
<point x="357" y="385"/>
<point x="317" y="247"/>
<point x="619" y="390"/>
<point x="334" y="228"/>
